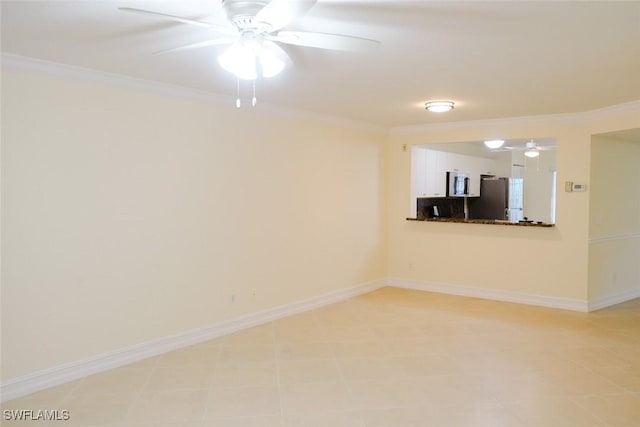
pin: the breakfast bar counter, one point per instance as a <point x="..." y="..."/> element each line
<point x="485" y="221"/>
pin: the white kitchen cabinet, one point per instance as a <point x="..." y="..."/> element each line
<point x="436" y="164"/>
<point x="471" y="166"/>
<point x="429" y="171"/>
<point x="418" y="172"/>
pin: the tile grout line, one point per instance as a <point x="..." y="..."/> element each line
<point x="138" y="394"/>
<point x="67" y="397"/>
<point x="605" y="422"/>
<point x="343" y="380"/>
<point x="278" y="372"/>
<point x="210" y="387"/>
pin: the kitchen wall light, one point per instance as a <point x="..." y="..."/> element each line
<point x="439" y="106"/>
<point x="494" y="143"/>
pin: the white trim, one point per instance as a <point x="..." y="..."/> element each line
<point x="19" y="63"/>
<point x="12" y="62"/>
<point x="493" y="123"/>
<point x="602" y="302"/>
<point x="27" y="64"/>
<point x="57" y="375"/>
<point x="491" y="294"/>
<point x="627" y="107"/>
<point x="614" y="237"/>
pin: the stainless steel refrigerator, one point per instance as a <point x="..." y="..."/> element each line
<point x="500" y="198"/>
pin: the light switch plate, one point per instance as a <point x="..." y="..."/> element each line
<point x="568" y="186"/>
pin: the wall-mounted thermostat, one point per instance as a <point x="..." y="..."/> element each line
<point x="570" y="186"/>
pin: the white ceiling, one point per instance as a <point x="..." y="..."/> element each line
<point x="494" y="59"/>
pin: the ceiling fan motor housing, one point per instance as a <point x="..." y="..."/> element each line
<point x="241" y="12"/>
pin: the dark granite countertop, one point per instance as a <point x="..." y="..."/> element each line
<point x="483" y="221"/>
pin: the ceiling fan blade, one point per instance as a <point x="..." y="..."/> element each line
<point x="325" y="41"/>
<point x="214" y="42"/>
<point x="215" y="27"/>
<point x="279" y="13"/>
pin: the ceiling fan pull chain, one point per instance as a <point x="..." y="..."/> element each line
<point x="237" y="92"/>
<point x="254" y="100"/>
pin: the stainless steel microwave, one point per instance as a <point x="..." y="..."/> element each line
<point x="457" y="184"/>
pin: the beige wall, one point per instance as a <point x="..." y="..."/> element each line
<point x="128" y="216"/>
<point x="549" y="262"/>
<point x="614" y="252"/>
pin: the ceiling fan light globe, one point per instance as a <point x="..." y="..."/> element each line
<point x="532" y="153"/>
<point x="270" y="65"/>
<point x="239" y="60"/>
<point x="272" y="59"/>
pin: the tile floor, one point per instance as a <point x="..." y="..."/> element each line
<point x="392" y="357"/>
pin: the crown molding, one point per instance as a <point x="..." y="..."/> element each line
<point x="614" y="238"/>
<point x="20" y="63"/>
<point x="499" y="122"/>
<point x="12" y="62"/>
<point x="627" y="107"/>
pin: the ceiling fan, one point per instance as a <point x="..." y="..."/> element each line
<point x="531" y="148"/>
<point x="254" y="33"/>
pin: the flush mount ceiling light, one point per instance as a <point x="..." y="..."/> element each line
<point x="494" y="143"/>
<point x="439" y="106"/>
<point x="532" y="153"/>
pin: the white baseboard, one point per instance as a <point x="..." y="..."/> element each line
<point x="602" y="302"/>
<point x="72" y="371"/>
<point x="491" y="294"/>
